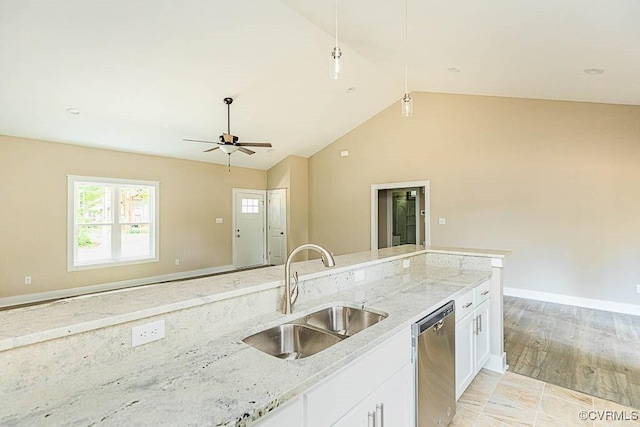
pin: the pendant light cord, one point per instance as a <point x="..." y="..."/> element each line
<point x="406" y="46"/>
<point x="337" y="23"/>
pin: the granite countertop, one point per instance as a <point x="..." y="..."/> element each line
<point x="224" y="381"/>
<point x="41" y="322"/>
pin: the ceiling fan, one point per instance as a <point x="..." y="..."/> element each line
<point x="228" y="143"/>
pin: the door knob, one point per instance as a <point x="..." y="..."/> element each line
<point x="237" y="235"/>
<point x="282" y="232"/>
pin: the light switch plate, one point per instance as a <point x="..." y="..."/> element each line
<point x="219" y="221"/>
<point x="406" y="263"/>
<point x="442" y="221"/>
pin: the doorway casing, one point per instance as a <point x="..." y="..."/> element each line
<point x="375" y="188"/>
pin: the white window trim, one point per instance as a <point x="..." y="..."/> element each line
<point x="71" y="230"/>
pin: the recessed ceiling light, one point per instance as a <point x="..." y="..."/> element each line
<point x="73" y="111"/>
<point x="351" y="89"/>
<point x="594" y="71"/>
<point x="453" y="70"/>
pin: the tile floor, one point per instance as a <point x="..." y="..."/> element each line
<point x="515" y="400"/>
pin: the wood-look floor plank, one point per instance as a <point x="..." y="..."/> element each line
<point x="591" y="351"/>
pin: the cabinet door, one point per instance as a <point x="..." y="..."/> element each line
<point x="394" y="397"/>
<point x="482" y="337"/>
<point x="290" y="415"/>
<point x="330" y="400"/>
<point x="465" y="353"/>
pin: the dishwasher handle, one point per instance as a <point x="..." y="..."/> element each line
<point x="432" y="319"/>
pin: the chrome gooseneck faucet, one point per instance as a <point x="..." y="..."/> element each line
<point x="290" y="295"/>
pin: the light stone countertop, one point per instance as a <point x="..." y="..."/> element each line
<point x="226" y="382"/>
<point x="41" y="322"/>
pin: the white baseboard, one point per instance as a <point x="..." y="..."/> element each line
<point x="497" y="363"/>
<point x="616" y="307"/>
<point x="112" y="286"/>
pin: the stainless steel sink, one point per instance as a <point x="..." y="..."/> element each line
<point x="314" y="332"/>
<point x="291" y="341"/>
<point x="343" y="320"/>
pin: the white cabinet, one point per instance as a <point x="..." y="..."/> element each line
<point x="377" y="377"/>
<point x="465" y="358"/>
<point x="389" y="405"/>
<point x="291" y="414"/>
<point x="472" y="335"/>
<point x="482" y="335"/>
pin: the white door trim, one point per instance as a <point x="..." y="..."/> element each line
<point x="391" y="185"/>
<point x="234" y="192"/>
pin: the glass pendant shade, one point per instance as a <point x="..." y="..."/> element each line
<point x="336" y="63"/>
<point x="406" y="105"/>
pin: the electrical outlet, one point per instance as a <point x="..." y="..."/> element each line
<point x="177" y="261"/>
<point x="359" y="275"/>
<point x="147" y="333"/>
<point x="442" y="221"/>
<point x="219" y="220"/>
<point x="27" y="280"/>
<point x="406" y="263"/>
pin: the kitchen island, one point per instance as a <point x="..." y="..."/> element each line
<point x="71" y="361"/>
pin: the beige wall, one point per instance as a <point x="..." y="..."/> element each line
<point x="33" y="221"/>
<point x="555" y="182"/>
<point x="292" y="174"/>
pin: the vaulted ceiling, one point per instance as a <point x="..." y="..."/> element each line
<point x="145" y="74"/>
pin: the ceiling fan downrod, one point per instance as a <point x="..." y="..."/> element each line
<point x="228" y="101"/>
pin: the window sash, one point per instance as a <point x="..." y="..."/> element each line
<point x="113" y="221"/>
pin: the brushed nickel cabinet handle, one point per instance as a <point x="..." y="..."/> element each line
<point x="484" y="293"/>
<point x="372" y="420"/>
<point x="467" y="305"/>
<point x="479" y="322"/>
<point x="380" y="415"/>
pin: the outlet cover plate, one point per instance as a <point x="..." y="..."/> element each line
<point x="406" y="263"/>
<point x="147" y="333"/>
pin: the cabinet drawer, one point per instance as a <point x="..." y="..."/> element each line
<point x="464" y="305"/>
<point x="335" y="396"/>
<point x="482" y="292"/>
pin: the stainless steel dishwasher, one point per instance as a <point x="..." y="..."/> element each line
<point x="434" y="344"/>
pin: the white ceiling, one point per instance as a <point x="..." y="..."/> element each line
<point x="147" y="73"/>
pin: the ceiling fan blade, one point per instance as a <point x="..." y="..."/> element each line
<point x="199" y="140"/>
<point x="254" y="144"/>
<point x="210" y="149"/>
<point x="246" y="150"/>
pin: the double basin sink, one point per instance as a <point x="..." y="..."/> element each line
<point x="314" y="332"/>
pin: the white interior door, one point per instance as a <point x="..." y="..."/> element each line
<point x="249" y="237"/>
<point x="277" y="226"/>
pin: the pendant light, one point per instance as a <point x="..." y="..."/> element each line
<point x="406" y="104"/>
<point x="336" y="54"/>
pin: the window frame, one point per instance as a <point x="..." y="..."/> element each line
<point x="115" y="224"/>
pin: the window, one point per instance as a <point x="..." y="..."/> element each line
<point x="250" y="206"/>
<point x="111" y="222"/>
